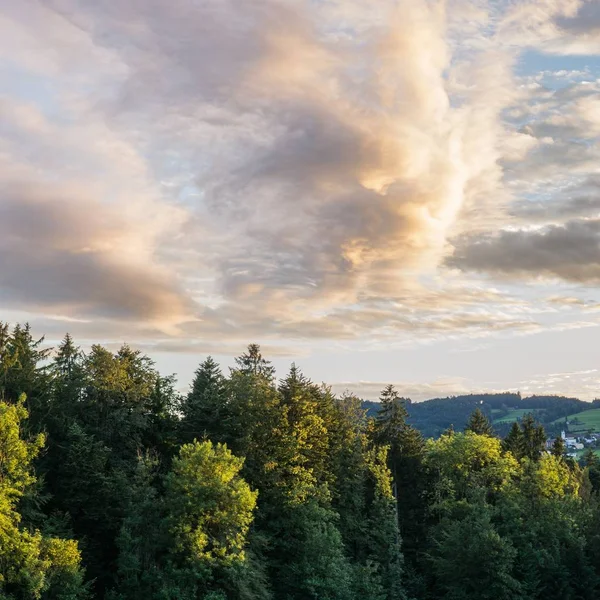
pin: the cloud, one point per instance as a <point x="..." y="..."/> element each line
<point x="581" y="30"/>
<point x="336" y="158"/>
<point x="226" y="170"/>
<point x="54" y="257"/>
<point x="565" y="27"/>
<point x="570" y="252"/>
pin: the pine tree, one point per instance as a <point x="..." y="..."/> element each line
<point x="252" y="362"/>
<point x="405" y="460"/>
<point x="25" y="372"/>
<point x="478" y="423"/>
<point x="513" y="442"/>
<point x="558" y="447"/>
<point x="204" y="410"/>
<point x="534" y="438"/>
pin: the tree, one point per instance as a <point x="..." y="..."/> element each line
<point x="205" y="408"/>
<point x="210" y="510"/>
<point x="405" y="460"/>
<point x="466" y="463"/>
<point x="534" y="438"/>
<point x="558" y="447"/>
<point x="479" y="423"/>
<point x="513" y="442"/>
<point x="32" y="564"/>
<point x="591" y="462"/>
<point x="471" y="561"/>
<point x="210" y="505"/>
<point x="526" y="441"/>
<point x="252" y="362"/>
<point x="310" y="561"/>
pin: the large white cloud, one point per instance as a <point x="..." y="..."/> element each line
<point x="282" y="168"/>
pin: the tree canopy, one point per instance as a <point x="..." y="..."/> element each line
<point x="115" y="486"/>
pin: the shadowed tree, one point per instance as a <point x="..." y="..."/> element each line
<point x="252" y="362"/>
<point x="405" y="461"/>
<point x="204" y="410"/>
<point x="478" y="423"/>
<point x="513" y="442"/>
<point x="558" y="447"/>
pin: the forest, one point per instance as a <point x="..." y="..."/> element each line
<point x="258" y="486"/>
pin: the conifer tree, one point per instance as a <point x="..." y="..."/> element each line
<point x="478" y="423"/>
<point x="514" y="442"/>
<point x="405" y="460"/>
<point x="534" y="437"/>
<point x="558" y="447"/>
<point x="204" y="410"/>
<point x="252" y="362"/>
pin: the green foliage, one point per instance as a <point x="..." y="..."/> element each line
<point x="478" y="423"/>
<point x="205" y="407"/>
<point x="253" y="489"/>
<point x="405" y="461"/>
<point x="32" y="565"/>
<point x="558" y="447"/>
<point x="464" y="462"/>
<point x="527" y="440"/>
<point x="210" y="506"/>
<point x="471" y="561"/>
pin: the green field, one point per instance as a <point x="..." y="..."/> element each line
<point x="586" y="420"/>
<point x="512" y="415"/>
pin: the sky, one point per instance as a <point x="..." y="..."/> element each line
<point x="401" y="191"/>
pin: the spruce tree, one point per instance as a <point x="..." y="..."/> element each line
<point x="478" y="423"/>
<point x="558" y="447"/>
<point x="253" y="363"/>
<point x="534" y="437"/>
<point x="204" y="410"/>
<point x="513" y="442"/>
<point x="405" y="460"/>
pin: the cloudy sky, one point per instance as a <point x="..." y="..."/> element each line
<point x="401" y="191"/>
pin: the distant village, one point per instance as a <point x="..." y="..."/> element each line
<point x="575" y="443"/>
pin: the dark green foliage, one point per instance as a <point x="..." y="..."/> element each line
<point x="471" y="561"/>
<point x="479" y="423"/>
<point x="405" y="460"/>
<point x="591" y="462"/>
<point x="534" y="438"/>
<point x="558" y="447"/>
<point x="527" y="440"/>
<point x="513" y="442"/>
<point x="204" y="410"/>
<point x="249" y="489"/>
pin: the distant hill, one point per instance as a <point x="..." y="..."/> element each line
<point x="434" y="416"/>
<point x="581" y="422"/>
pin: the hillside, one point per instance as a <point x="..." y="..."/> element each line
<point x="433" y="416"/>
<point x="581" y="422"/>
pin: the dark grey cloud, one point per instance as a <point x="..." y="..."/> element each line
<point x="586" y="21"/>
<point x="53" y="256"/>
<point x="570" y="251"/>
